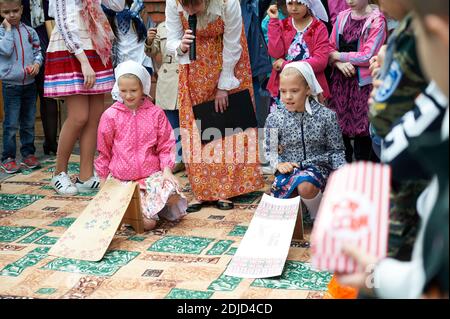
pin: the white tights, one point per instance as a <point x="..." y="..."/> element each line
<point x="313" y="204"/>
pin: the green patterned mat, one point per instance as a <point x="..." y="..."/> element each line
<point x="181" y="260"/>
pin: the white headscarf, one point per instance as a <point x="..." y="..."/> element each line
<point x="316" y="7"/>
<point x="131" y="67"/>
<point x="306" y="70"/>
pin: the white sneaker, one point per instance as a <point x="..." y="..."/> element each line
<point x="63" y="185"/>
<point x="92" y="184"/>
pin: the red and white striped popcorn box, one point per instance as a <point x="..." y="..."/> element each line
<point x="355" y="211"/>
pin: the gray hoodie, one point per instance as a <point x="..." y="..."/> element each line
<point x="19" y="48"/>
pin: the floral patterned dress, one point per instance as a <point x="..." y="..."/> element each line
<point x="218" y="178"/>
<point x="311" y="139"/>
<point x="161" y="199"/>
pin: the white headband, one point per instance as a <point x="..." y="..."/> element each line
<point x="306" y="70"/>
<point x="131" y="67"/>
<point x="316" y="7"/>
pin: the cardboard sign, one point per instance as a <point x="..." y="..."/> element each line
<point x="263" y="251"/>
<point x="89" y="236"/>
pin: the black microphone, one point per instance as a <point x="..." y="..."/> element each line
<point x="192" y="20"/>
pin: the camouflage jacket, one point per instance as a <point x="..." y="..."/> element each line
<point x="402" y="77"/>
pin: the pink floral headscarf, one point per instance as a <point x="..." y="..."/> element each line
<point x="101" y="33"/>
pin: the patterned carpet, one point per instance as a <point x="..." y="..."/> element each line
<point x="176" y="260"/>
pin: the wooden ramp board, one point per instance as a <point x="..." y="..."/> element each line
<point x="263" y="251"/>
<point x="90" y="235"/>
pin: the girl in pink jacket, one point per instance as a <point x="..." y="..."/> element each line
<point x="357" y="36"/>
<point x="135" y="142"/>
<point x="300" y="37"/>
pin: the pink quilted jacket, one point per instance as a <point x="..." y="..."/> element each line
<point x="134" y="144"/>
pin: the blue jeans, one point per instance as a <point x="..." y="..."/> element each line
<point x="174" y="119"/>
<point x="19" y="103"/>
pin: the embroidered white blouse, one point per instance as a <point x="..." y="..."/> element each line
<point x="230" y="12"/>
<point x="66" y="14"/>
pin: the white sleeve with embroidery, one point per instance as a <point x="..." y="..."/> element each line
<point x="65" y="13"/>
<point x="175" y="32"/>
<point x="232" y="48"/>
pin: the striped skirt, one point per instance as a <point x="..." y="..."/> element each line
<point x="63" y="76"/>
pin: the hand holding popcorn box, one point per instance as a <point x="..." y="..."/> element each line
<point x="354" y="211"/>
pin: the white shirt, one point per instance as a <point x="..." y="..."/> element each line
<point x="128" y="48"/>
<point x="66" y="13"/>
<point x="230" y="12"/>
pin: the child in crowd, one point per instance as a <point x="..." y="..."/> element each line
<point x="35" y="15"/>
<point x="20" y="60"/>
<point x="432" y="27"/>
<point x="131" y="33"/>
<point x="300" y="37"/>
<point x="401" y="74"/>
<point x="357" y="36"/>
<point x="392" y="23"/>
<point x="78" y="68"/>
<point x="167" y="84"/>
<point x="136" y="143"/>
<point x="422" y="134"/>
<point x="260" y="62"/>
<point x="398" y="84"/>
<point x="282" y="14"/>
<point x="310" y="142"/>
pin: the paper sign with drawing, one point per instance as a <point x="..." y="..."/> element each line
<point x="263" y="251"/>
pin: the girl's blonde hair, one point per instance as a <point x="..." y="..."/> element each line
<point x="293" y="71"/>
<point x="131" y="76"/>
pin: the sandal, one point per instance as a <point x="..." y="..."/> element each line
<point x="193" y="208"/>
<point x="224" y="205"/>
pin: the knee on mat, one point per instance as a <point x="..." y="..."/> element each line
<point x="307" y="190"/>
<point x="149" y="223"/>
